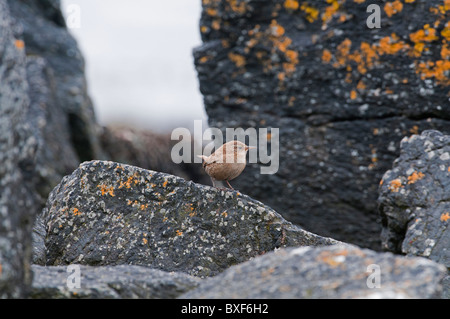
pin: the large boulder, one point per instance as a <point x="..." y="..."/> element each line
<point x="414" y="199"/>
<point x="18" y="204"/>
<point x="106" y="213"/>
<point x="327" y="272"/>
<point x="115" y="282"/>
<point x="44" y="34"/>
<point x="342" y="95"/>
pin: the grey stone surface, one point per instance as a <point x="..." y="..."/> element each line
<point x="108" y="282"/>
<point x="342" y="99"/>
<point x="415" y="198"/>
<point x="106" y="213"/>
<point x="17" y="150"/>
<point x="326" y="272"/>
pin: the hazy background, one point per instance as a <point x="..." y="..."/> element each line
<point x="139" y="62"/>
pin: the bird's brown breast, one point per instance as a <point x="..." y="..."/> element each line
<point x="224" y="171"/>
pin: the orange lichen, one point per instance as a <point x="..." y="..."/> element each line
<point x="392" y="8"/>
<point x="179" y="232"/>
<point x="276" y="29"/>
<point x="238" y="6"/>
<point x="312" y="14"/>
<point x="106" y="190"/>
<point x="361" y="85"/>
<point x="446" y="31"/>
<point x="359" y="1"/>
<point x="215" y="24"/>
<point x="291" y="4"/>
<point x="19" y="44"/>
<point x="395" y="185"/>
<point x="211" y="12"/>
<point x="224" y="214"/>
<point x="165" y="183"/>
<point x="353" y="94"/>
<point x="445" y="217"/>
<point x="436" y="70"/>
<point x="204" y="29"/>
<point x="427" y="34"/>
<point x="76" y="212"/>
<point x="237" y="59"/>
<point x="144" y="240"/>
<point x="204" y="59"/>
<point x="326" y="56"/>
<point x="343" y="49"/>
<point x="414" y="177"/>
<point x="333" y="259"/>
<point x="331" y="10"/>
<point x="391" y="45"/>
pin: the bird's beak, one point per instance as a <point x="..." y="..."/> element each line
<point x="250" y="147"/>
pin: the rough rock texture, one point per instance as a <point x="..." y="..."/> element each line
<point x="122" y="281"/>
<point x="107" y="213"/>
<point x="17" y="148"/>
<point x="326" y="272"/>
<point x="343" y="96"/>
<point x="415" y="199"/>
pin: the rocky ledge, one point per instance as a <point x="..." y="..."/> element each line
<point x="106" y="213"/>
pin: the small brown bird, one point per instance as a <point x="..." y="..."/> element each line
<point x="227" y="162"/>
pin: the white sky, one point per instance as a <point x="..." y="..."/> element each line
<point x="139" y="61"/>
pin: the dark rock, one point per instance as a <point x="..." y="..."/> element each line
<point x="107" y="213"/>
<point x="415" y="199"/>
<point x="42" y="28"/>
<point x="55" y="154"/>
<point x="327" y="272"/>
<point x="122" y="281"/>
<point x="17" y="150"/>
<point x="342" y="98"/>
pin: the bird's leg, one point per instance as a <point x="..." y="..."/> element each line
<point x="229" y="185"/>
<point x="212" y="180"/>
